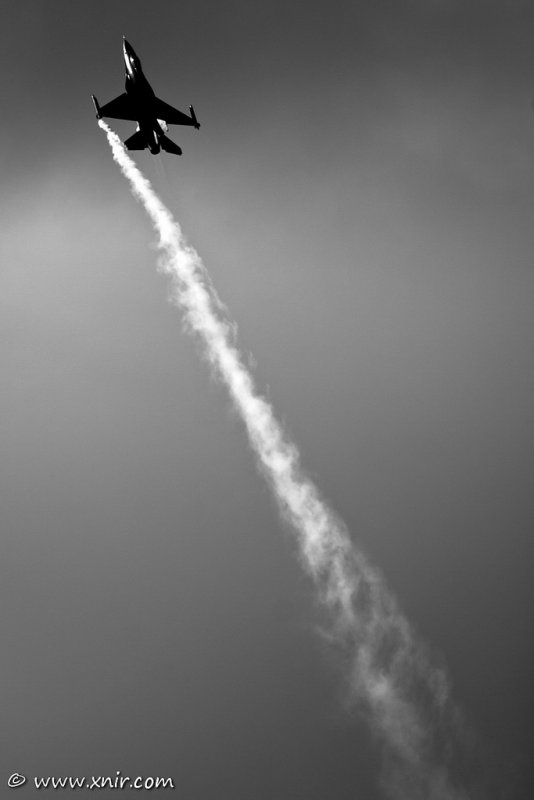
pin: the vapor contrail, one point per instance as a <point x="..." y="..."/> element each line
<point x="404" y="696"/>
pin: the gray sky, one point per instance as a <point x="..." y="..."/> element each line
<point x="361" y="192"/>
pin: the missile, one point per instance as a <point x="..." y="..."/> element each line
<point x="194" y="118"/>
<point x="97" y="107"/>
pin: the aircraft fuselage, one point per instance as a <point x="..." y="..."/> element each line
<point x="142" y="96"/>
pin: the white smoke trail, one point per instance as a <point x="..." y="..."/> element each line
<point x="403" y="695"/>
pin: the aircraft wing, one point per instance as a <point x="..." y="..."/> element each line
<point x="171" y="115"/>
<point x="119" y="108"/>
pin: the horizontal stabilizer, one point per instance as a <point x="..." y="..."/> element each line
<point x="169" y="146"/>
<point x="136" y="142"/>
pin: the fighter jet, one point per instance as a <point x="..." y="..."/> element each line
<point x="140" y="104"/>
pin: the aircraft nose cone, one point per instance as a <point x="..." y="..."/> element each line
<point x="131" y="61"/>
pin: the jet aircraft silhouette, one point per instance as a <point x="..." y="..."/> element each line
<point x="140" y="104"/>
